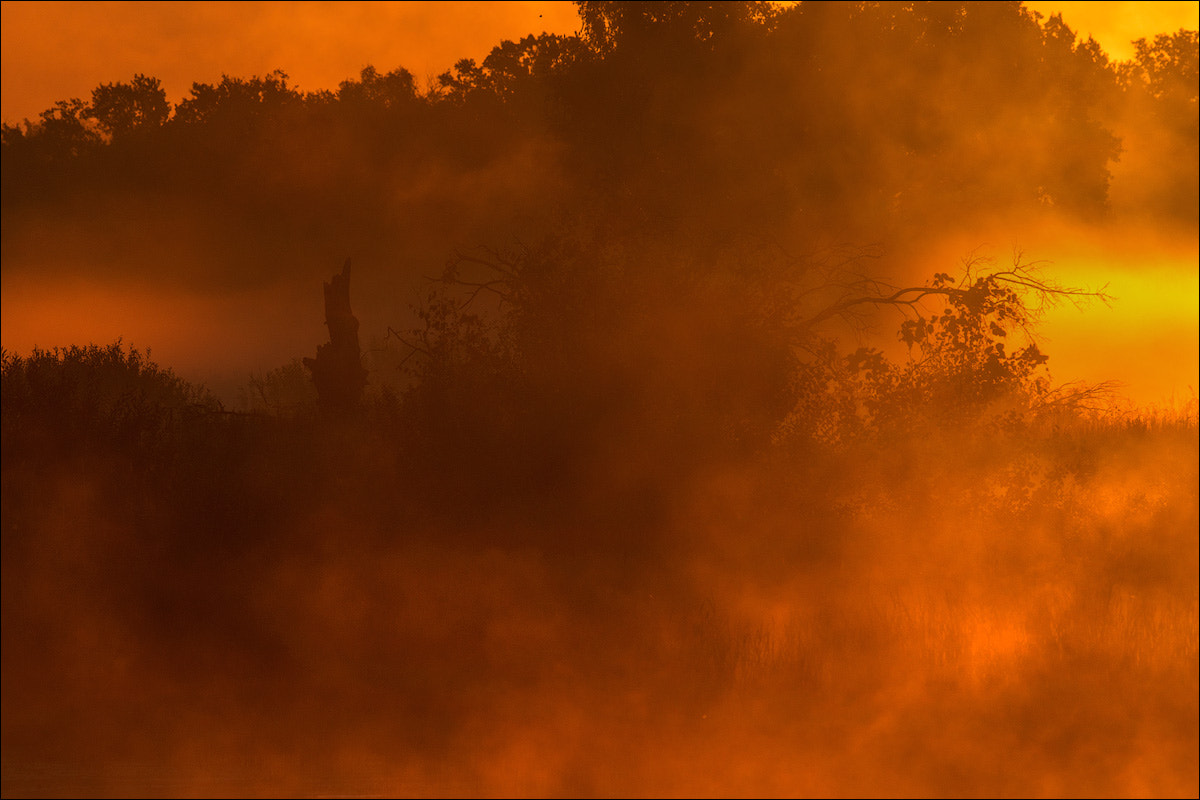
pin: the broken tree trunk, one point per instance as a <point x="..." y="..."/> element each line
<point x="337" y="371"/>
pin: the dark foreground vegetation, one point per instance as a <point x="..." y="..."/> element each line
<point x="667" y="491"/>
<point x="933" y="577"/>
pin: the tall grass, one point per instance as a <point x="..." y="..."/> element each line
<point x="273" y="604"/>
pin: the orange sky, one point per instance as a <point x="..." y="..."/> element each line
<point x="57" y="50"/>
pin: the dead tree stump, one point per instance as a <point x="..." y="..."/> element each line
<point x="337" y="371"/>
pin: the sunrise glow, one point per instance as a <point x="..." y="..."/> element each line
<point x="600" y="399"/>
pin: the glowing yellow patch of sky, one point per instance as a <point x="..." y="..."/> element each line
<point x="1148" y="337"/>
<point x="1115" y="25"/>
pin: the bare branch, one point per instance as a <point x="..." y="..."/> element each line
<point x="862" y="292"/>
<point x="413" y="348"/>
<point x="495" y="260"/>
<point x="897" y="299"/>
<point x="482" y="286"/>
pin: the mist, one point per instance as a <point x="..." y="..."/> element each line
<point x="725" y="399"/>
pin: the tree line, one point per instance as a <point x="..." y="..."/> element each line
<point x="715" y="119"/>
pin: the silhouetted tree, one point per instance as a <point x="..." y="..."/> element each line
<point x="1158" y="116"/>
<point x="236" y="100"/>
<point x="394" y="89"/>
<point x="974" y="361"/>
<point x="611" y="25"/>
<point x="1167" y="67"/>
<point x="79" y="398"/>
<point x="337" y="371"/>
<point x="121" y="109"/>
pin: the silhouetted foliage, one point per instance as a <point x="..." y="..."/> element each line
<point x="97" y="398"/>
<point x="1160" y="111"/>
<point x="122" y="109"/>
<point x="284" y="392"/>
<point x="571" y="341"/>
